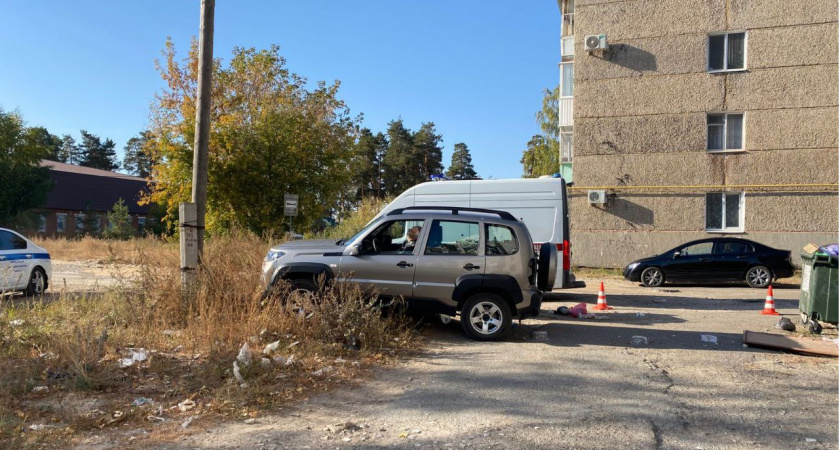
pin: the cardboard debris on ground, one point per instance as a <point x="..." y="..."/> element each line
<point x="792" y="343"/>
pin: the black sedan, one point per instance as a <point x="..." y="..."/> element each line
<point x="713" y="260"/>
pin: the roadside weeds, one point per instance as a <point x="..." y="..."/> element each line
<point x="79" y="362"/>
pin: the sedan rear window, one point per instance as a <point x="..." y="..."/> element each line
<point x="733" y="247"/>
<point x="11" y="241"/>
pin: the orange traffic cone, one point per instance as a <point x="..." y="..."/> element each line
<point x="602" y="300"/>
<point x="769" y="304"/>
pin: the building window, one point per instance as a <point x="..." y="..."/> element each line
<point x="42" y="223"/>
<point x="141" y="224"/>
<point x="725" y="131"/>
<point x="60" y="222"/>
<point x="567" y="146"/>
<point x="725" y="211"/>
<point x="727" y="52"/>
<point x="80" y="222"/>
<point x="567" y="79"/>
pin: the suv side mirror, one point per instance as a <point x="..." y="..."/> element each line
<point x="353" y="250"/>
<point x="677" y="254"/>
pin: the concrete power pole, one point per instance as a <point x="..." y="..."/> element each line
<point x="202" y="119"/>
<point x="192" y="214"/>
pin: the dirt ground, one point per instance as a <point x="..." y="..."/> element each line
<point x="585" y="386"/>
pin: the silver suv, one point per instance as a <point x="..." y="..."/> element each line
<point x="477" y="262"/>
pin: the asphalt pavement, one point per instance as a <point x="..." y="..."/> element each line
<point x="586" y="386"/>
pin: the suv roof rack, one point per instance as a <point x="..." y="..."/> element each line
<point x="453" y="209"/>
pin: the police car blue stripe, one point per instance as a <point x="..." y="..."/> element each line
<point x="17" y="256"/>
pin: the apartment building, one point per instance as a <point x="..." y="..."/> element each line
<point x="684" y="120"/>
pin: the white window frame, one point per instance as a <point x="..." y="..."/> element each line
<point x="726" y="115"/>
<point x="726" y="51"/>
<point x="63" y="220"/>
<point x="79" y="221"/>
<point x="742" y="208"/>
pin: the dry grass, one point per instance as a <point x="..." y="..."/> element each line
<point x="105" y="250"/>
<point x="73" y="344"/>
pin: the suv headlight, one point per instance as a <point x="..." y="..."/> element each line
<point x="272" y="255"/>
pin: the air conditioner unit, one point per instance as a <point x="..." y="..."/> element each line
<point x="595" y="42"/>
<point x="597" y="197"/>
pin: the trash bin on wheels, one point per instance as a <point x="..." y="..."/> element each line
<point x="818" y="293"/>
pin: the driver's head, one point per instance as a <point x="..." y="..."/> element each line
<point x="413" y="233"/>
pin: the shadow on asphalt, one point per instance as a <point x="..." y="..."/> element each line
<point x="581" y="332"/>
<point x="663" y="301"/>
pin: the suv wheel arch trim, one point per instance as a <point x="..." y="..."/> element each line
<point x="504" y="285"/>
<point x="314" y="270"/>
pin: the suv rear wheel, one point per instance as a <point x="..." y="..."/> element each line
<point x="485" y="317"/>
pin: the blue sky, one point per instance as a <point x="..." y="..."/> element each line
<point x="475" y="68"/>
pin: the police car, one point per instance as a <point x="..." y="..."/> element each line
<point x="24" y="266"/>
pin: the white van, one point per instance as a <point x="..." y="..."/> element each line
<point x="540" y="203"/>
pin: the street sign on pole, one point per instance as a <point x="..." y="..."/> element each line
<point x="290" y="205"/>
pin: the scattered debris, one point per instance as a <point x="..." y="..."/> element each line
<point x="562" y="310"/>
<point x="250" y="421"/>
<point x="291" y="361"/>
<point x="293" y="344"/>
<point x="187" y="422"/>
<point x="37" y="426"/>
<point x="278" y="360"/>
<point x="152" y="418"/>
<point x="539" y="335"/>
<point x="244" y="355"/>
<point x="271" y="347"/>
<point x="578" y="310"/>
<point x="638" y="341"/>
<point x="708" y="338"/>
<point x="796" y="344"/>
<point x="265" y="363"/>
<point x="17" y="322"/>
<point x="340" y="360"/>
<point x="237" y="373"/>
<point x="785" y="324"/>
<point x="140" y="401"/>
<point x="810" y="440"/>
<point x="40" y="390"/>
<point x="594" y="316"/>
<point x="640" y="314"/>
<point x="186" y="405"/>
<point x="138" y="355"/>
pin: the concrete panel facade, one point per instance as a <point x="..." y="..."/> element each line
<point x="782" y="129"/>
<point x="640" y="120"/>
<point x="662" y="133"/>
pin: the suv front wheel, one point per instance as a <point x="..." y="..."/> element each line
<point x="485" y="317"/>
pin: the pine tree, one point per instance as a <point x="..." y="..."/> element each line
<point x="69" y="151"/>
<point x="367" y="167"/>
<point x="97" y="154"/>
<point x="119" y="222"/>
<point x="461" y="167"/>
<point x="138" y="160"/>
<point x="428" y="150"/>
<point x="402" y="168"/>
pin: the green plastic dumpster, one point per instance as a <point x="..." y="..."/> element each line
<point x="818" y="293"/>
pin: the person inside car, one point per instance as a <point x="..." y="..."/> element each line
<point x="411" y="240"/>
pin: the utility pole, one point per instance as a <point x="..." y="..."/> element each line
<point x="202" y="119"/>
<point x="191" y="215"/>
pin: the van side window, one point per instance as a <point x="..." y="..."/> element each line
<point x="452" y="238"/>
<point x="500" y="240"/>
